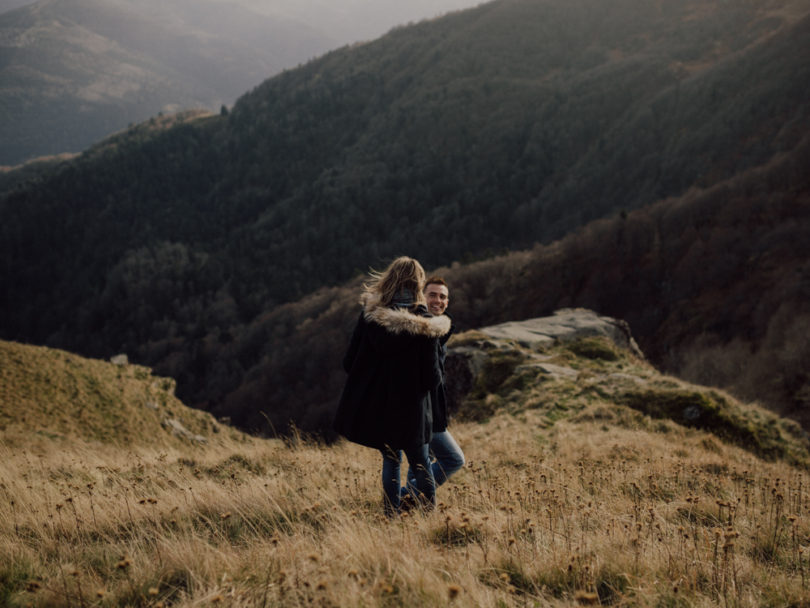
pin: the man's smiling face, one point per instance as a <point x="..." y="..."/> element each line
<point x="438" y="297"/>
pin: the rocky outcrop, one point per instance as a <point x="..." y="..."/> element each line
<point x="121" y="359"/>
<point x="583" y="367"/>
<point x="176" y="428"/>
<point x="487" y="354"/>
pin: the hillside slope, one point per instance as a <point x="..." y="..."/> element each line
<point x="50" y="397"/>
<point x="714" y="286"/>
<point x="573" y="494"/>
<point x="487" y="130"/>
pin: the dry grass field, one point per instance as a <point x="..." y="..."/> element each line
<point x="598" y="505"/>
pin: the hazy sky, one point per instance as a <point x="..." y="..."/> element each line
<point x="350" y="20"/>
<point x="7" y="5"/>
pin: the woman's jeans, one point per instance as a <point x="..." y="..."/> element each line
<point x="419" y="464"/>
<point x="449" y="458"/>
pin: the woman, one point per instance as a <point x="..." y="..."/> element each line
<point x="393" y="364"/>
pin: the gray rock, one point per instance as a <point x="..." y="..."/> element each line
<point x="565" y="325"/>
<point x="177" y="429"/>
<point x="121" y="359"/>
<point x="555" y="371"/>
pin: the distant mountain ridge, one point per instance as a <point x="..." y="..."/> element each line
<point x="75" y="71"/>
<point x="488" y="130"/>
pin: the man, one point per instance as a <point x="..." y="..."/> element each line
<point x="448" y="454"/>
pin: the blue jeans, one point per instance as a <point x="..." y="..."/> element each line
<point x="419" y="462"/>
<point x="449" y="458"/>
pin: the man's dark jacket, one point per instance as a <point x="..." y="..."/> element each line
<point x="393" y="365"/>
<point x="437" y="396"/>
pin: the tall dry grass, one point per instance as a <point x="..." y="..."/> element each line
<point x="587" y="511"/>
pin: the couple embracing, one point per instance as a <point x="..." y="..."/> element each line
<point x="394" y="398"/>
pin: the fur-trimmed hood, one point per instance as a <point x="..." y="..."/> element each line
<point x="399" y="321"/>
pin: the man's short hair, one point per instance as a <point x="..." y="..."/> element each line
<point x="437" y="281"/>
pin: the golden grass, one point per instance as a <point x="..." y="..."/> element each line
<point x="578" y="490"/>
<point x="582" y="512"/>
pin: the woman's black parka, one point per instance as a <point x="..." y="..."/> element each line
<point x="393" y="365"/>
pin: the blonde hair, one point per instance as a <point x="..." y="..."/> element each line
<point x="403" y="272"/>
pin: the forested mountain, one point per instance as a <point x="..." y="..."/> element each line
<point x="490" y="129"/>
<point x="715" y="286"/>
